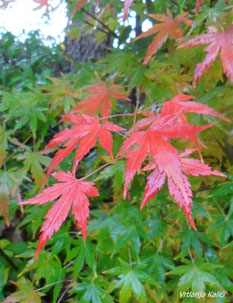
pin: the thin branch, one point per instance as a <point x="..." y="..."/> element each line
<point x="122" y="115"/>
<point x="12" y="155"/>
<point x="62" y="295"/>
<point x="100" y="22"/>
<point x="136" y="108"/>
<point x="98" y="28"/>
<point x="51" y="284"/>
<point x="191" y="257"/>
<point x="164" y="238"/>
<point x="104" y="26"/>
<point x="98" y="169"/>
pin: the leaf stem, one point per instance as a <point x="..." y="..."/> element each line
<point x="167" y="233"/>
<point x="62" y="295"/>
<point x="98" y="169"/>
<point x="51" y="284"/>
<point x="136" y="108"/>
<point x="12" y="155"/>
<point x="123" y="114"/>
<point x="191" y="257"/>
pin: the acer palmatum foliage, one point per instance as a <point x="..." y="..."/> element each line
<point x="181" y="104"/>
<point x="218" y="41"/>
<point x="152" y="140"/>
<point x="170" y="164"/>
<point x="85" y="133"/>
<point x="171" y="123"/>
<point x="71" y="193"/>
<point x="101" y="99"/>
<point x="168" y="28"/>
<point x="148" y="137"/>
<point x="174" y="110"/>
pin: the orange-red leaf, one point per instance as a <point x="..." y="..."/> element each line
<point x="219" y="41"/>
<point x="71" y="192"/>
<point x="127" y="5"/>
<point x="86" y="131"/>
<point x="149" y="141"/>
<point x="101" y="99"/>
<point x="168" y="28"/>
<point x="43" y="4"/>
<point x="167" y="162"/>
<point x="180" y="104"/>
<point x="79" y="4"/>
<point x="198" y="5"/>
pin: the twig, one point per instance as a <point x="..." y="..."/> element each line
<point x="191" y="257"/>
<point x="104" y="26"/>
<point x="121" y="115"/>
<point x="12" y="155"/>
<point x="136" y="108"/>
<point x="51" y="284"/>
<point x="98" y="28"/>
<point x="100" y="22"/>
<point x="167" y="233"/>
<point x="62" y="295"/>
<point x="98" y="169"/>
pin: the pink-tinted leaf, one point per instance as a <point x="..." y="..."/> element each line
<point x="198" y="5"/>
<point x="168" y="28"/>
<point x="85" y="133"/>
<point x="127" y="5"/>
<point x="219" y="41"/>
<point x="71" y="191"/>
<point x="101" y="99"/>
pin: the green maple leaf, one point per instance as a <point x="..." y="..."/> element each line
<point x="33" y="161"/>
<point x="24" y="107"/>
<point x="131" y="281"/>
<point x="25" y="294"/>
<point x="92" y="291"/>
<point x="195" y="276"/>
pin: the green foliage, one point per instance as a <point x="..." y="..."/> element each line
<point x="130" y="255"/>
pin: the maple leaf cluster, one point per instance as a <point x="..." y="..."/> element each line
<point x="84" y="134"/>
<point x="148" y="137"/>
<point x="218" y="41"/>
<point x="147" y="146"/>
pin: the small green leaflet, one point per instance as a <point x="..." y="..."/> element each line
<point x="33" y="161"/>
<point x="195" y="276"/>
<point x="131" y="281"/>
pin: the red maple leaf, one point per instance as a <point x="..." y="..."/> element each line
<point x="174" y="109"/>
<point x="101" y="99"/>
<point x="168" y="163"/>
<point x="150" y="141"/>
<point x="198" y="5"/>
<point x="168" y="28"/>
<point x="219" y="41"/>
<point x="86" y="131"/>
<point x="72" y="192"/>
<point x="42" y="4"/>
<point x="127" y="5"/>
<point x="79" y="4"/>
<point x="180" y="104"/>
